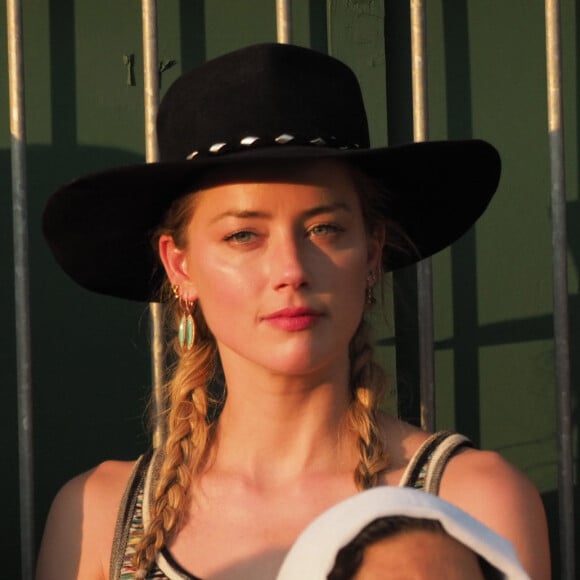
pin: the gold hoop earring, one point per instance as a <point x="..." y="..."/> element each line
<point x="186" y="330"/>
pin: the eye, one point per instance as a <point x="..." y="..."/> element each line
<point x="240" y="237"/>
<point x="322" y="230"/>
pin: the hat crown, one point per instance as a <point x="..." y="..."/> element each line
<point x="264" y="95"/>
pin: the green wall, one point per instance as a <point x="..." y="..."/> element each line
<point x="494" y="338"/>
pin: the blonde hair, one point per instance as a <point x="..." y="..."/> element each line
<point x="192" y="418"/>
<point x="367" y="383"/>
<point x="189" y="437"/>
<point x="189" y="427"/>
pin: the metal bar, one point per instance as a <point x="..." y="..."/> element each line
<point x="151" y="96"/>
<point x="284" y="21"/>
<point x="424" y="268"/>
<point x="560" y="289"/>
<point x="21" y="286"/>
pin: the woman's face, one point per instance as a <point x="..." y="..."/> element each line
<point x="279" y="266"/>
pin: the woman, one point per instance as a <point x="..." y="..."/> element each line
<point x="272" y="220"/>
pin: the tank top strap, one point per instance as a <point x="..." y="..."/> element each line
<point x="426" y="467"/>
<point x="132" y="521"/>
<point x="130" y="507"/>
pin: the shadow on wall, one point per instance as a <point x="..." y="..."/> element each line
<point x="90" y="354"/>
<point x="550" y="500"/>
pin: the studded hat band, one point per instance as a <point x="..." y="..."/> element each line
<point x="254" y="141"/>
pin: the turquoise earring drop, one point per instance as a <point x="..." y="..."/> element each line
<point x="186" y="334"/>
<point x="186" y="331"/>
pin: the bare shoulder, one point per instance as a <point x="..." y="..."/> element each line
<point x="80" y="526"/>
<point x="473" y="475"/>
<point x="488" y="487"/>
<point x="401" y="440"/>
<point x="485" y="485"/>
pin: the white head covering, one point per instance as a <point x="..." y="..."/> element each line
<point x="313" y="554"/>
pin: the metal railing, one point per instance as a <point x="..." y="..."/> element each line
<point x="424" y="268"/>
<point x="151" y="74"/>
<point x="560" y="288"/>
<point x="21" y="285"/>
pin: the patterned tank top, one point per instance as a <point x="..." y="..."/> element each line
<point x="423" y="472"/>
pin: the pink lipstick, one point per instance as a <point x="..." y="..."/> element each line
<point x="293" y="319"/>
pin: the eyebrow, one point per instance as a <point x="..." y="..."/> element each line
<point x="329" y="208"/>
<point x="319" y="209"/>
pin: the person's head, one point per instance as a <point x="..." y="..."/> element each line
<point x="283" y="129"/>
<point x="406" y="548"/>
<point x="251" y="107"/>
<point x="399" y="533"/>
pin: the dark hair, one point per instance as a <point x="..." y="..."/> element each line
<point x="375" y="206"/>
<point x="349" y="558"/>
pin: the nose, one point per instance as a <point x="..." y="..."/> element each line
<point x="288" y="262"/>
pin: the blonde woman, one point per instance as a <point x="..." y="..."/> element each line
<point x="265" y="228"/>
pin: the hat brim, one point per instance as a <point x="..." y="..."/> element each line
<point x="99" y="226"/>
<point x="313" y="554"/>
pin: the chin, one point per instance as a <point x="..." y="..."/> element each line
<point x="302" y="364"/>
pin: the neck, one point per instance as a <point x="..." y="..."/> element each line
<point x="275" y="427"/>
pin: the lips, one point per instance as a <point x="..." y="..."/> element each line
<point x="293" y="319"/>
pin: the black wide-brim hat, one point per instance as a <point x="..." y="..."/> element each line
<point x="260" y="103"/>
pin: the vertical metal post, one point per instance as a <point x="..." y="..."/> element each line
<point x="151" y="96"/>
<point x="21" y="285"/>
<point x="424" y="269"/>
<point x="560" y="285"/>
<point x="284" y="21"/>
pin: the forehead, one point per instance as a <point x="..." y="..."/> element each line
<point x="441" y="556"/>
<point x="321" y="181"/>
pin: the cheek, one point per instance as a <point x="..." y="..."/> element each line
<point x="353" y="273"/>
<point x="349" y="290"/>
<point x="222" y="288"/>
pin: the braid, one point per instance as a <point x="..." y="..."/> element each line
<point x="367" y="382"/>
<point x="367" y="378"/>
<point x="188" y="441"/>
